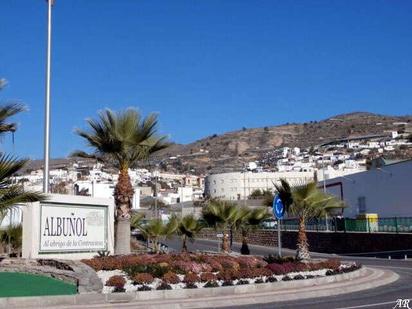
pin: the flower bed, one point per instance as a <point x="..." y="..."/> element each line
<point x="176" y="271"/>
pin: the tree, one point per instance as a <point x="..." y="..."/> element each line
<point x="250" y="221"/>
<point x="11" y="195"/>
<point x="189" y="226"/>
<point x="122" y="139"/>
<point x="306" y="202"/>
<point x="222" y="216"/>
<point x="156" y="229"/>
<point x="12" y="238"/>
<point x="7" y="111"/>
<point x="256" y="194"/>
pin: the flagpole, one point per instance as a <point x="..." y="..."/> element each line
<point x="47" y="103"/>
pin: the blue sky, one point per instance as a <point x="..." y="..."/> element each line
<point x="205" y="66"/>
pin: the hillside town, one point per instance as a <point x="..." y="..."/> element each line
<point x="171" y="191"/>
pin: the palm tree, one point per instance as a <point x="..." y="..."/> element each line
<point x="156" y="230"/>
<point x="222" y="216"/>
<point x="306" y="202"/>
<point x="7" y="111"/>
<point x="189" y="226"/>
<point x="137" y="220"/>
<point x="11" y="195"/>
<point x="249" y="222"/>
<point x="12" y="238"/>
<point x="122" y="139"/>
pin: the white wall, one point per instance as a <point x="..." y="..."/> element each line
<point x="231" y="186"/>
<point x="386" y="191"/>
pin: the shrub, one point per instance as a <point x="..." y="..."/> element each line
<point x="286" y="278"/>
<point x="211" y="284"/>
<point x="310" y="276"/>
<point x="259" y="272"/>
<point x="289" y="267"/>
<point x="216" y="266"/>
<point x="271" y="279"/>
<point x="246" y="273"/>
<point x="250" y="262"/>
<point x="157" y="270"/>
<point x="183" y="267"/>
<point x="206" y="277"/>
<point x="298" y="277"/>
<point x="144" y="288"/>
<point x="229" y="274"/>
<point x="190" y="286"/>
<point x="164" y="286"/>
<point x="277" y="269"/>
<point x="227" y="283"/>
<point x="170" y="278"/>
<point x="333" y="264"/>
<point x="191" y="278"/>
<point x="116" y="281"/>
<point x="118" y="290"/>
<point x="259" y="280"/>
<point x="301" y="267"/>
<point x="143" y="278"/>
<point x="330" y="272"/>
<point x="132" y="270"/>
<point x="271" y="258"/>
<point x="230" y="264"/>
<point x="242" y="282"/>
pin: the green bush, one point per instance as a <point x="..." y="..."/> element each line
<point x="211" y="284"/>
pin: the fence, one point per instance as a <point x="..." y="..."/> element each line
<point x="370" y="225"/>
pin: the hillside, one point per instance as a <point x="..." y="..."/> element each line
<point x="227" y="151"/>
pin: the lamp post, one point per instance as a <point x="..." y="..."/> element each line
<point x="47" y="102"/>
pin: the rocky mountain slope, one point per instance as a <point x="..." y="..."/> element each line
<point x="230" y="150"/>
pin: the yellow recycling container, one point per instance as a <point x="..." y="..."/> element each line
<point x="371" y="222"/>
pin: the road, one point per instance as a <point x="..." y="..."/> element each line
<point x="380" y="298"/>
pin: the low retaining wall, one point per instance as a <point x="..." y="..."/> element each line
<point x="169" y="295"/>
<point x="326" y="242"/>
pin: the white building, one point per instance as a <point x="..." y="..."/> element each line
<point x="239" y="185"/>
<point x="384" y="191"/>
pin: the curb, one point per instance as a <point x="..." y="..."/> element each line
<point x="362" y="279"/>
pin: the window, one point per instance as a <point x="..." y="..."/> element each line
<point x="362" y="204"/>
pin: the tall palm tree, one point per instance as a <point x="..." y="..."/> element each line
<point x="249" y="222"/>
<point x="306" y="202"/>
<point x="189" y="226"/>
<point x="156" y="230"/>
<point x="221" y="215"/>
<point x="123" y="139"/>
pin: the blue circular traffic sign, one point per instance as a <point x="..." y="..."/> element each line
<point x="278" y="208"/>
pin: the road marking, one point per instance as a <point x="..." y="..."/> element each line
<point x="369" y="305"/>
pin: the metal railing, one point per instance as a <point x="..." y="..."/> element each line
<point x="368" y="225"/>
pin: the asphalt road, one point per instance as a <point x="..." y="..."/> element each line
<point x="382" y="298"/>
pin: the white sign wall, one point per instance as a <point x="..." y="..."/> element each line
<point x="68" y="227"/>
<point x="72" y="228"/>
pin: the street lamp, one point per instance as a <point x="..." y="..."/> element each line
<point x="47" y="103"/>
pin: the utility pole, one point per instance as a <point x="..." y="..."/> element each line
<point x="47" y="103"/>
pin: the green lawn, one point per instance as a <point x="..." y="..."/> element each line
<point x="21" y="284"/>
